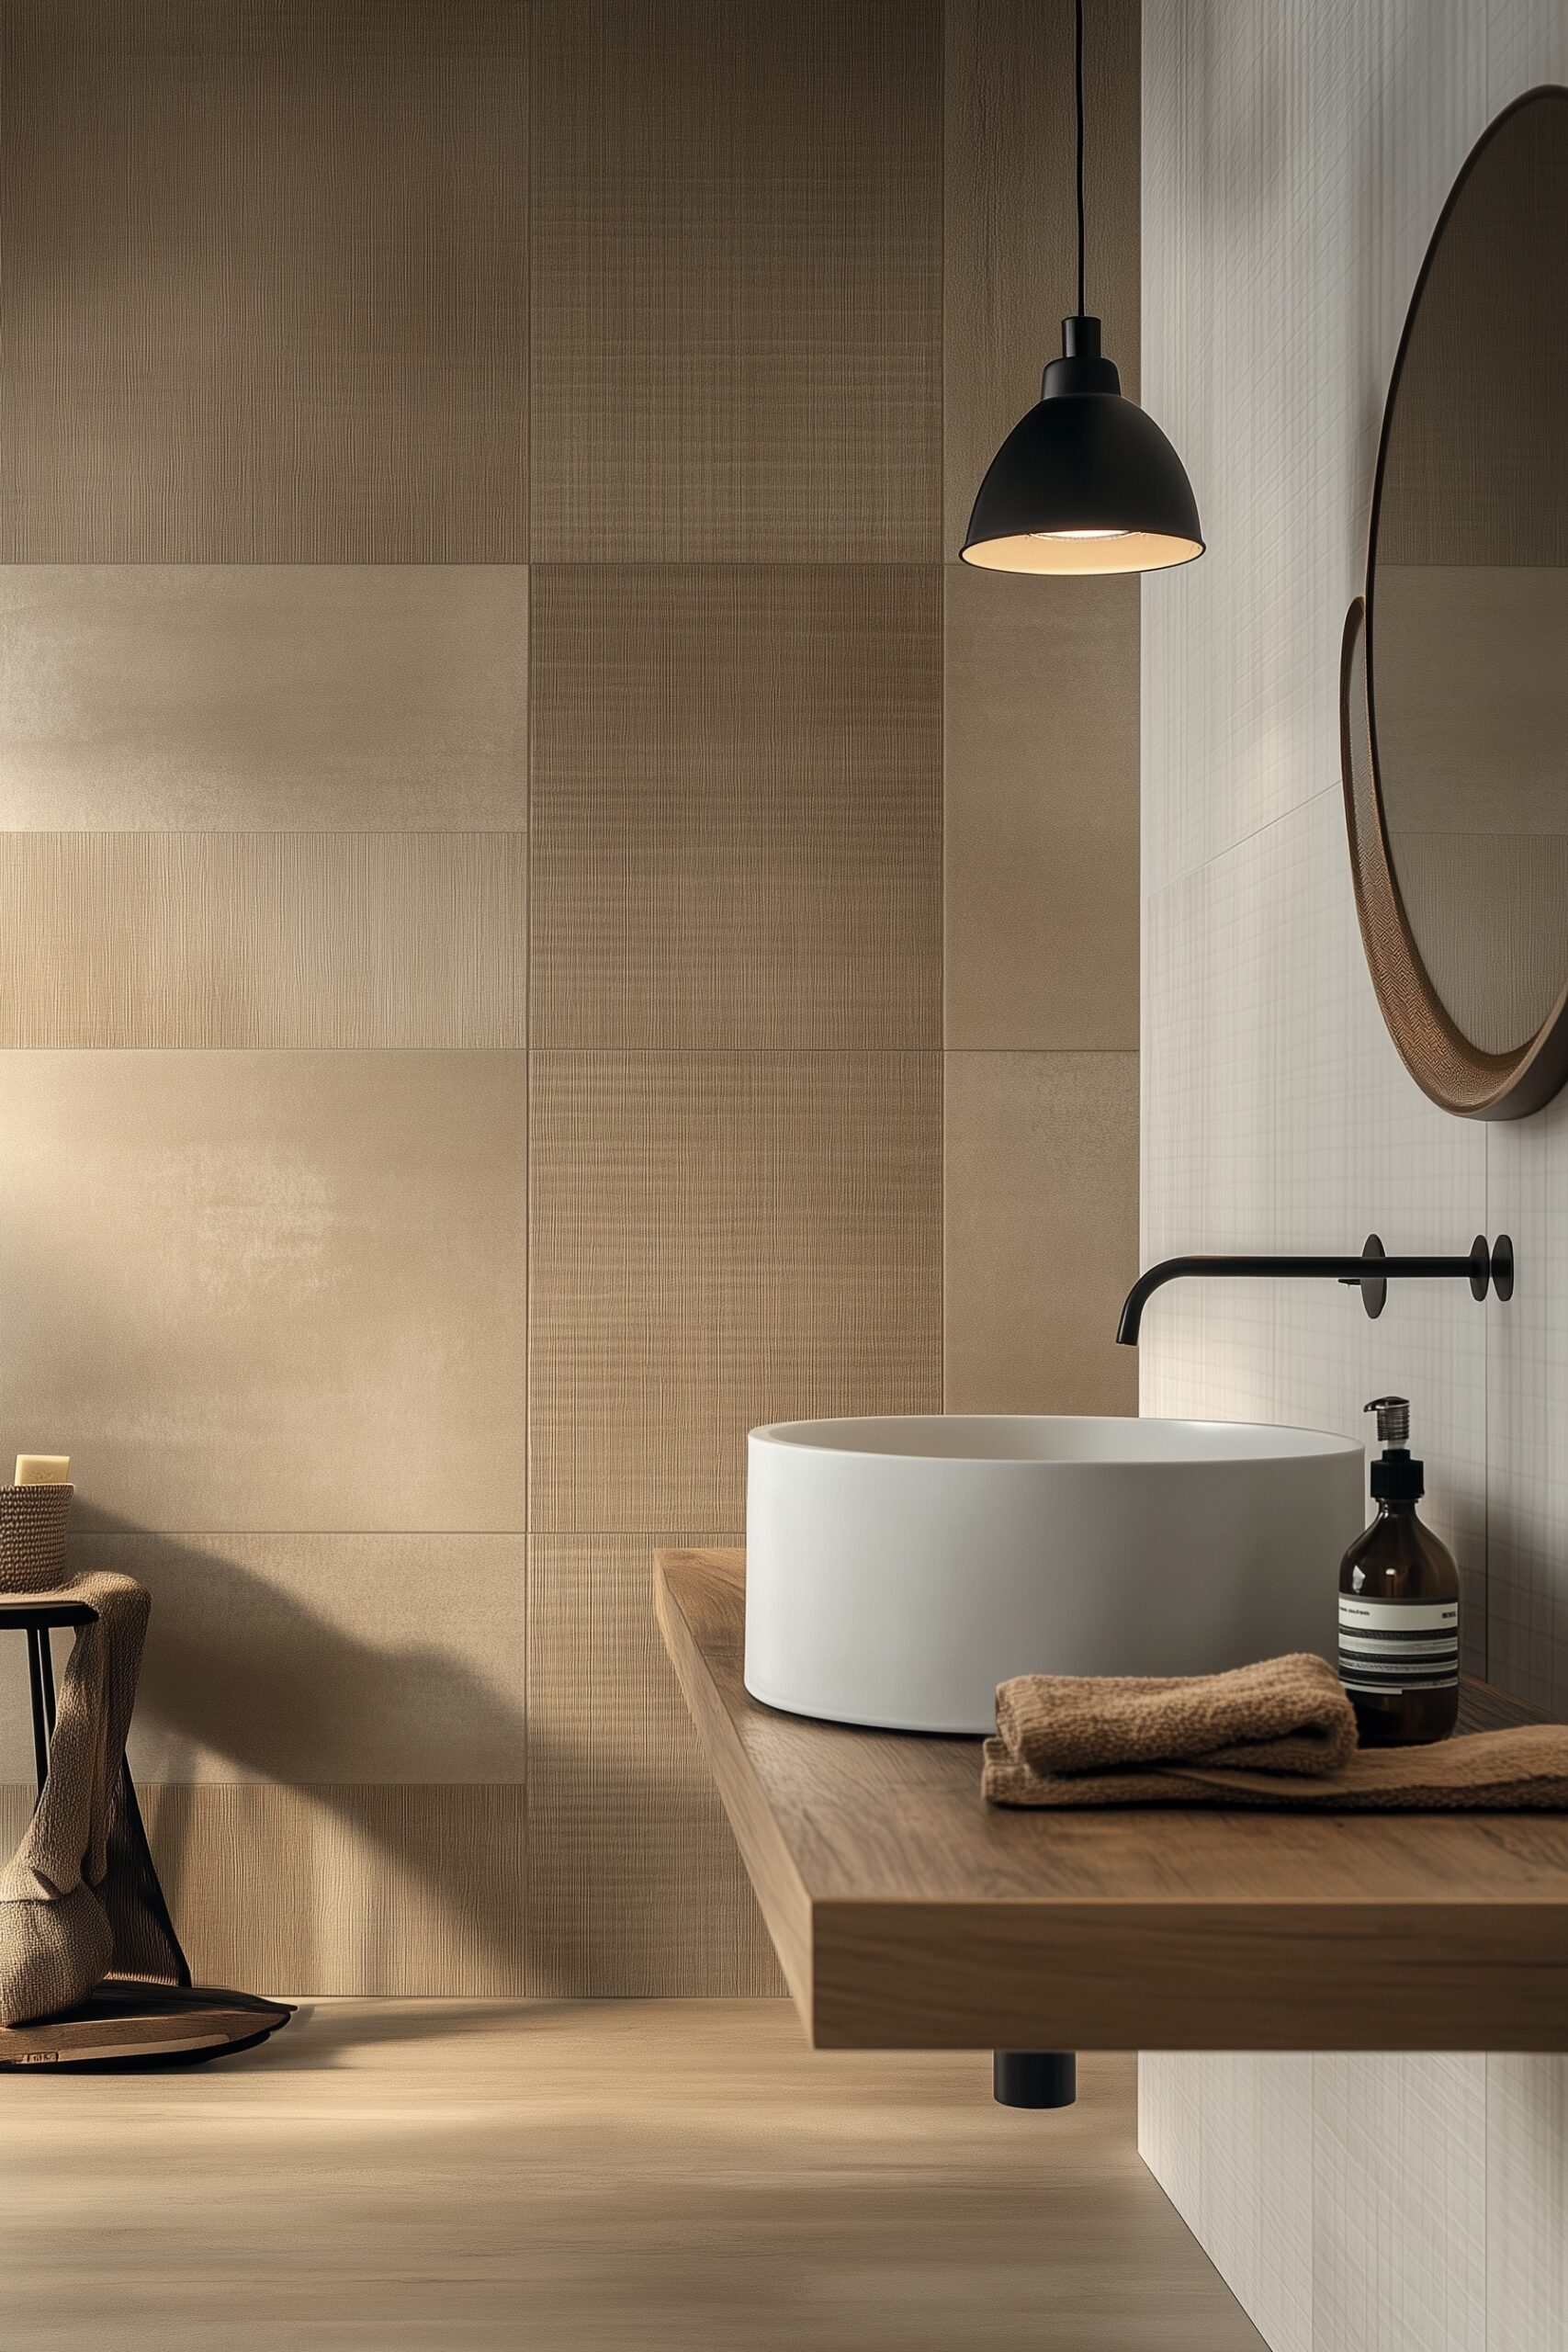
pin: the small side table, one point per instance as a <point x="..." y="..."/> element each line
<point x="123" y="2022"/>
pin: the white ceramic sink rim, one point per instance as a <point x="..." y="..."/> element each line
<point x="1125" y="1443"/>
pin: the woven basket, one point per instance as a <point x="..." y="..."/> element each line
<point x="32" y="1537"/>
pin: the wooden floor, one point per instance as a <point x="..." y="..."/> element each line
<point x="647" y="2177"/>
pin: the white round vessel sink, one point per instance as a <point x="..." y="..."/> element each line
<point x="898" y="1569"/>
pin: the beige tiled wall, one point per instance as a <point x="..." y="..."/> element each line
<point x="1295" y="159"/>
<point x="300" y="228"/>
<point x="737" y="287"/>
<point x="484" y="687"/>
<point x="1039" y="747"/>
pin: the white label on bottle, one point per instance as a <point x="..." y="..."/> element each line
<point x="1387" y="1646"/>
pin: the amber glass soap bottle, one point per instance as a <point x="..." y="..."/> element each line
<point x="1399" y="1605"/>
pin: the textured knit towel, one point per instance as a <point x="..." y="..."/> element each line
<point x="79" y="1898"/>
<point x="1287" y="1715"/>
<point x="1279" y="1734"/>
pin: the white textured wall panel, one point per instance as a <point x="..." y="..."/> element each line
<point x="1296" y="158"/>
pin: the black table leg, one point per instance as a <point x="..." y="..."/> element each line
<point x="42" y="1724"/>
<point x="46" y="1662"/>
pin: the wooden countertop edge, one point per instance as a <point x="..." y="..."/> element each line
<point x="1186" y="1976"/>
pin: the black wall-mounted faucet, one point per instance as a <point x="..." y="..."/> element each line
<point x="1371" y="1273"/>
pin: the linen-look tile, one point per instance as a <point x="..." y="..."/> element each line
<point x="262" y="939"/>
<point x="737" y="806"/>
<point x="719" y="1241"/>
<point x="1012" y="251"/>
<point x="1527" y="2197"/>
<point x="263" y="696"/>
<point x="265" y="279"/>
<point x="1399" y="2202"/>
<point x="267" y="1291"/>
<point x="634" y="1886"/>
<point x="319" y="1658"/>
<point x="1229" y="2138"/>
<point x="337" y="1888"/>
<point x="737" y="263"/>
<point x="1295" y="164"/>
<point x="1256" y="2151"/>
<point x="1042" y="1216"/>
<point x="1526" y="1393"/>
<point x="1041" y="811"/>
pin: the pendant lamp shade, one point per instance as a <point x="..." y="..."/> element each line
<point x="1086" y="483"/>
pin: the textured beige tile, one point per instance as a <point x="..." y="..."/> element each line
<point x="339" y="1889"/>
<point x="263" y="696"/>
<point x="719" y="1241"/>
<point x="737" y="804"/>
<point x="315" y="1657"/>
<point x="267" y="1291"/>
<point x="736" y="275"/>
<point x="1012" y="247"/>
<point x="1041" y="811"/>
<point x="332" y="1889"/>
<point x="634" y="1886"/>
<point x="1527" y="2200"/>
<point x="267" y="293"/>
<point x="1042" y="1216"/>
<point x="263" y="939"/>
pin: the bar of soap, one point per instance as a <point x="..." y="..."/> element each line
<point x="43" y="1469"/>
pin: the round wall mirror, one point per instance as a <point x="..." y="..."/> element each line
<point x="1454" y="684"/>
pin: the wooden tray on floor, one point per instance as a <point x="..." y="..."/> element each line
<point x="127" y="2024"/>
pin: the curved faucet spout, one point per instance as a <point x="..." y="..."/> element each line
<point x="1483" y="1267"/>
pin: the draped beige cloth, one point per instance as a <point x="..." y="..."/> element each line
<point x="79" y="1899"/>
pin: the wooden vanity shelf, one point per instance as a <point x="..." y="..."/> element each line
<point x="908" y="1915"/>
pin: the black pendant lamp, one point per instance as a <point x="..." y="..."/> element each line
<point x="1086" y="483"/>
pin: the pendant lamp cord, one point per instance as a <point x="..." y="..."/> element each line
<point x="1077" y="75"/>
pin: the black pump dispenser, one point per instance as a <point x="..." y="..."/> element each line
<point x="1396" y="1478"/>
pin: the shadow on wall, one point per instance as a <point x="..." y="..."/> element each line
<point x="341" y="1808"/>
<point x="346" y="1809"/>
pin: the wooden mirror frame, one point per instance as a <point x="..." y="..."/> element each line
<point x="1457" y="1075"/>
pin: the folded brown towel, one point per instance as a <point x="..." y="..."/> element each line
<point x="1285" y="1715"/>
<point x="1280" y="1734"/>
